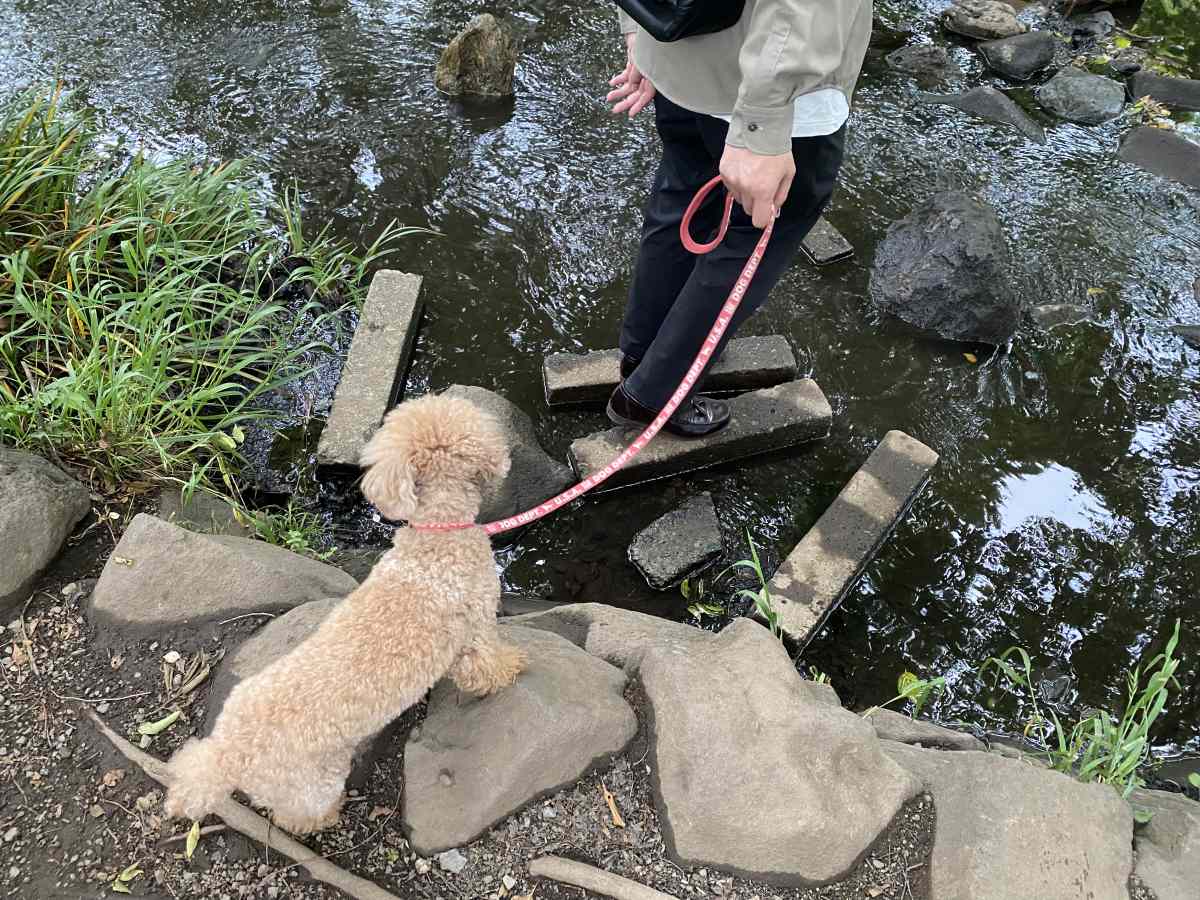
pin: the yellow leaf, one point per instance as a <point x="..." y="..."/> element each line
<point x="1094" y="291"/>
<point x="971" y="358"/>
<point x="153" y="728"/>
<point x="612" y="806"/>
<point x="130" y="873"/>
<point x="122" y="561"/>
<point x="193" y="839"/>
<point x="120" y="887"/>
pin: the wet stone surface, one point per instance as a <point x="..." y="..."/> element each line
<point x="682" y="543"/>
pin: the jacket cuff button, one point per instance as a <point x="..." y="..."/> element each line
<point x="753" y="126"/>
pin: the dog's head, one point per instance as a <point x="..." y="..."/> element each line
<point x="434" y="447"/>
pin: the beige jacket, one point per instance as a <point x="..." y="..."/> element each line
<point x="780" y="50"/>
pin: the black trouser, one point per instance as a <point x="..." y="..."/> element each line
<point x="676" y="295"/>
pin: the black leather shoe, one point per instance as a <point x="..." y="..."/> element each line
<point x="697" y="417"/>
<point x="628" y="364"/>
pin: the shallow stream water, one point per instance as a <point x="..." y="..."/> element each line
<point x="1065" y="515"/>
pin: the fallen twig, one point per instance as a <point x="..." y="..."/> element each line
<point x="176" y="838"/>
<point x="28" y="642"/>
<point x="254" y="826"/>
<point x="247" y="616"/>
<point x="100" y="699"/>
<point x="592" y="879"/>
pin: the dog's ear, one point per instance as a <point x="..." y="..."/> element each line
<point x="493" y="456"/>
<point x="389" y="482"/>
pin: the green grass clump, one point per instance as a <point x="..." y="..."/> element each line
<point x="147" y="308"/>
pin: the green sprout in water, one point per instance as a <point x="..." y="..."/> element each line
<point x="762" y="596"/>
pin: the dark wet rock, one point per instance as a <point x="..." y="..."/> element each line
<point x="750" y="764"/>
<point x="824" y="567"/>
<point x="202" y="512"/>
<point x="1164" y="153"/>
<point x="1053" y="687"/>
<point x="1167" y="848"/>
<point x="512" y="604"/>
<point x="1091" y="27"/>
<point x="1082" y="97"/>
<point x="894" y="726"/>
<point x="928" y="60"/>
<point x="683" y="542"/>
<point x="945" y="268"/>
<point x="481" y="61"/>
<point x="983" y="19"/>
<point x="1189" y="333"/>
<point x="535" y="475"/>
<point x="1052" y="315"/>
<point x="1021" y="56"/>
<point x="162" y="577"/>
<point x="1007" y="830"/>
<point x="824" y="244"/>
<point x="763" y="420"/>
<point x="357" y="562"/>
<point x="475" y="761"/>
<point x="1126" y="62"/>
<point x="995" y="106"/>
<point x="39" y="507"/>
<point x="1181" y="93"/>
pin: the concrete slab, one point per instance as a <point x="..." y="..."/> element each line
<point x="678" y="545"/>
<point x="371" y="378"/>
<point x="763" y="420"/>
<point x="815" y="577"/>
<point x="825" y="244"/>
<point x="748" y="363"/>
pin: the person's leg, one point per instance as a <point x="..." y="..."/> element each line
<point x="687" y="323"/>
<point x="663" y="265"/>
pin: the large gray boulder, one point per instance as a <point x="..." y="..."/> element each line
<point x="944" y="268"/>
<point x="1021" y="56"/>
<point x="475" y="761"/>
<point x="480" y="61"/>
<point x="681" y="543"/>
<point x="161" y="577"/>
<point x="535" y="476"/>
<point x="983" y="19"/>
<point x="1008" y="830"/>
<point x="1167" y="847"/>
<point x="1082" y="97"/>
<point x="755" y="771"/>
<point x="995" y="106"/>
<point x="39" y="506"/>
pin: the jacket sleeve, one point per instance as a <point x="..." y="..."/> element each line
<point x="627" y="24"/>
<point x="792" y="48"/>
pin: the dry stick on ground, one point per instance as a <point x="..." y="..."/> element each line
<point x="253" y="825"/>
<point x="592" y="879"/>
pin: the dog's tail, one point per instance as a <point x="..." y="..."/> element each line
<point x="199" y="781"/>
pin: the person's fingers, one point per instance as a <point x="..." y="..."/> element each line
<point x="644" y="97"/>
<point x="781" y="194"/>
<point x="619" y="93"/>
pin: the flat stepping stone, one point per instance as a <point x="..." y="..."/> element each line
<point x="824" y="244"/>
<point x="827" y="562"/>
<point x="763" y="420"/>
<point x="475" y="761"/>
<point x="1163" y="153"/>
<point x="161" y="577"/>
<point x="1009" y="830"/>
<point x="743" y="748"/>
<point x="1182" y="93"/>
<point x="683" y="542"/>
<point x="747" y="364"/>
<point x="375" y="366"/>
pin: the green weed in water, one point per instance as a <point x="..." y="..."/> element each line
<point x="762" y="596"/>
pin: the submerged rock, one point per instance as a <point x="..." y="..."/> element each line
<point x="929" y="60"/>
<point x="475" y="761"/>
<point x="1019" y="57"/>
<point x="1164" y="153"/>
<point x="481" y="61"/>
<point x="1082" y="97"/>
<point x="39" y="506"/>
<point x="681" y="543"/>
<point x="944" y="268"/>
<point x="534" y="476"/>
<point x="1052" y="315"/>
<point x="988" y="103"/>
<point x="1189" y="333"/>
<point x="984" y="19"/>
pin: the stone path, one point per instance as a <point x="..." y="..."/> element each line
<point x="825" y="564"/>
<point x="747" y="364"/>
<point x="763" y="421"/>
<point x="371" y="377"/>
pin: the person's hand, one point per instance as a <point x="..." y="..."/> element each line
<point x="632" y="91"/>
<point x="759" y="183"/>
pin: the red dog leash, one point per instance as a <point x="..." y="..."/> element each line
<point x="724" y="317"/>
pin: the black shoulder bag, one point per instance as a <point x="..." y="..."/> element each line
<point x="671" y="20"/>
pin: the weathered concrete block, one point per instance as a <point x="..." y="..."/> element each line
<point x="763" y="420"/>
<point x="824" y="244"/>
<point x="684" y="541"/>
<point x="747" y="364"/>
<point x="379" y="357"/>
<point x="828" y="560"/>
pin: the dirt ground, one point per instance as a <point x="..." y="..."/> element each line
<point x="79" y="821"/>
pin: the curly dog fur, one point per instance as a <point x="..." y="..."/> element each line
<point x="287" y="735"/>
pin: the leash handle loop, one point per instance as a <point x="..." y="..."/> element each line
<point x="685" y="226"/>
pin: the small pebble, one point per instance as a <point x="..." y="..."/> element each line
<point x="102" y="708"/>
<point x="422" y="866"/>
<point x="446" y="779"/>
<point x="96" y="811"/>
<point x="452" y="861"/>
<point x="145" y="742"/>
<point x="549" y="812"/>
<point x="11" y="834"/>
<point x="171" y="657"/>
<point x="14" y="873"/>
<point x="509" y="882"/>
